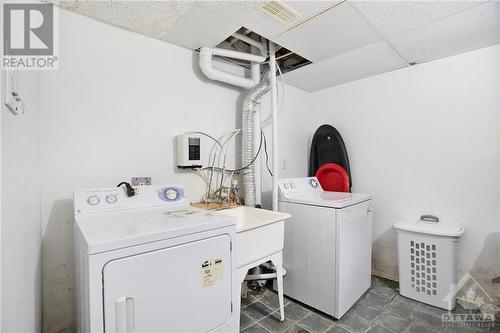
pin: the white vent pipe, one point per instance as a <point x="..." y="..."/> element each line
<point x="206" y="65"/>
<point x="249" y="40"/>
<point x="274" y="113"/>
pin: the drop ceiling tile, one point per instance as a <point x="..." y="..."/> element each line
<point x="363" y="62"/>
<point x="249" y="14"/>
<point x="199" y="27"/>
<point x="151" y="18"/>
<point x="393" y="17"/>
<point x="471" y="29"/>
<point x="336" y="31"/>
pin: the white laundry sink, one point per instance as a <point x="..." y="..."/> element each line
<point x="260" y="232"/>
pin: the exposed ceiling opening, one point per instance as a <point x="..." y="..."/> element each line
<point x="286" y="59"/>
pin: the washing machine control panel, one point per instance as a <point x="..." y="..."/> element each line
<point x="299" y="185"/>
<point x="115" y="198"/>
<point x="171" y="194"/>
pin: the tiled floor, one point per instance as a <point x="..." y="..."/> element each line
<point x="381" y="309"/>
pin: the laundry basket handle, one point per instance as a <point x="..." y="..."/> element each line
<point x="429" y="218"/>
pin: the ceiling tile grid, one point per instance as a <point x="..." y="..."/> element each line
<point x="362" y="62"/>
<point x="249" y="14"/>
<point x="345" y="40"/>
<point x="391" y="18"/>
<point x="336" y="31"/>
<point x="151" y="18"/>
<point x="471" y="29"/>
<point x="190" y="30"/>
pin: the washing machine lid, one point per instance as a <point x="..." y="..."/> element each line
<point x="308" y="191"/>
<point x="115" y="230"/>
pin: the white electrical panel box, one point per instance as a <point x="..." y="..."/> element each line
<point x="188" y="151"/>
<point x="11" y="96"/>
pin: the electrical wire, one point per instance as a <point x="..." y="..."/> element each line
<point x="267" y="155"/>
<point x="209" y="136"/>
<point x="242" y="168"/>
<point x="221" y="142"/>
<point x="212" y="171"/>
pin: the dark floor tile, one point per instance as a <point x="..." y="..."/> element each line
<point x="248" y="300"/>
<point x="378" y="329"/>
<point x="386" y="282"/>
<point x="383" y="291"/>
<point x="353" y="322"/>
<point x="245" y="321"/>
<point x="432" y="309"/>
<point x="257" y="310"/>
<point x="424" y="318"/>
<point x="406" y="300"/>
<point x="255" y="328"/>
<point x="271" y="299"/>
<point x="365" y="311"/>
<point x="294" y="311"/>
<point x="374" y="300"/>
<point x="316" y="323"/>
<point x="395" y="323"/>
<point x="294" y="329"/>
<point x="416" y="328"/>
<point x="273" y="324"/>
<point x="400" y="309"/>
<point x="337" y="329"/>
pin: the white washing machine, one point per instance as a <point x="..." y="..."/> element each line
<point x="151" y="263"/>
<point x="328" y="245"/>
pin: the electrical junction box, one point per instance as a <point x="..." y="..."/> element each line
<point x="11" y="97"/>
<point x="188" y="151"/>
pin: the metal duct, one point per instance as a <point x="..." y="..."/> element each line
<point x="249" y="109"/>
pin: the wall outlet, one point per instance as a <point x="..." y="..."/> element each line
<point x="139" y="181"/>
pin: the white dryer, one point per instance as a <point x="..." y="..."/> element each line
<point x="328" y="245"/>
<point x="150" y="263"/>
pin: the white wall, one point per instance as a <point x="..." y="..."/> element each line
<point x="111" y="112"/>
<point x="425" y="140"/>
<point x="20" y="212"/>
<point x="416" y="138"/>
<point x="295" y="125"/>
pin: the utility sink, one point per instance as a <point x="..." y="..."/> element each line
<point x="260" y="232"/>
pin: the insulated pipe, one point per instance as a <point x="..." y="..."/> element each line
<point x="248" y="148"/>
<point x="206" y="65"/>
<point x="274" y="112"/>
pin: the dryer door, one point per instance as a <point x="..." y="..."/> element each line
<point x="184" y="288"/>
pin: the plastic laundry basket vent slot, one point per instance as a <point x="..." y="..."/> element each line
<point x="423" y="275"/>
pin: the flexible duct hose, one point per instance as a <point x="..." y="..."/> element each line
<point x="249" y="109"/>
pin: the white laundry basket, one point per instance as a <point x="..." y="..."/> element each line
<point x="427" y="260"/>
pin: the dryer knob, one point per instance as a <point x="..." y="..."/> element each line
<point x="93" y="200"/>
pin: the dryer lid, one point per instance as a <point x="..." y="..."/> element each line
<point x="114" y="230"/>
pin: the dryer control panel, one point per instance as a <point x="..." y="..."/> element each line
<point x="97" y="200"/>
<point x="299" y="185"/>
